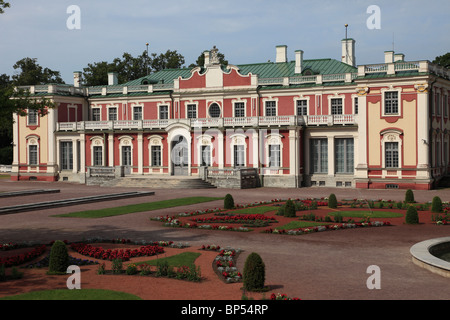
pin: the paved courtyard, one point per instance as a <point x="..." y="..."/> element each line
<point x="321" y="266"/>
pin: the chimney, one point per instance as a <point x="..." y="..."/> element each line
<point x="112" y="79"/>
<point x="77" y="79"/>
<point x="399" y="57"/>
<point x="348" y="52"/>
<point x="298" y="61"/>
<point x="388" y="56"/>
<point x="281" y="54"/>
<point x="206" y="54"/>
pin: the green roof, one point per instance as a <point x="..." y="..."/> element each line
<point x="263" y="70"/>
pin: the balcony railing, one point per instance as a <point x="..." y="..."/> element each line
<point x="279" y="121"/>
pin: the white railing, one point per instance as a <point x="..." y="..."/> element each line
<point x="210" y="123"/>
<point x="375" y="68"/>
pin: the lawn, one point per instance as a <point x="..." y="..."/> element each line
<point x="366" y="213"/>
<point x="256" y="210"/>
<point x="142" y="207"/>
<point x="83" y="294"/>
<point x="182" y="259"/>
<point x="301" y="224"/>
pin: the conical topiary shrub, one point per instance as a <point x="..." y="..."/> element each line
<point x="412" y="217"/>
<point x="59" y="258"/>
<point x="229" y="202"/>
<point x="289" y="209"/>
<point x="254" y="274"/>
<point x="332" y="201"/>
<point x="436" y="205"/>
<point x="409" y="196"/>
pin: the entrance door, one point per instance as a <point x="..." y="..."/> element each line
<point x="126" y="159"/>
<point x="180" y="157"/>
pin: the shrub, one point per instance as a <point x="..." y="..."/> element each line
<point x="254" y="274"/>
<point x="399" y="205"/>
<point x="436" y="205"/>
<point x="289" y="209"/>
<point x="117" y="266"/>
<point x="332" y="201"/>
<point x="229" y="202"/>
<point x="409" y="196"/>
<point x="412" y="217"/>
<point x="59" y="258"/>
<point x="131" y="269"/>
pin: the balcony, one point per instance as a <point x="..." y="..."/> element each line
<point x="250" y="122"/>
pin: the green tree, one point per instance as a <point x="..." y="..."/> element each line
<point x="409" y="196"/>
<point x="436" y="205"/>
<point x="3" y="5"/>
<point x="443" y="61"/>
<point x="412" y="216"/>
<point x="332" y="201"/>
<point x="31" y="73"/>
<point x="228" y="202"/>
<point x="59" y="258"/>
<point x="168" y="60"/>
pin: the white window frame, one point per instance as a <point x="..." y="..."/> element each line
<point x="97" y="141"/>
<point x="36" y="115"/>
<point x="159" y="111"/>
<point x="126" y="141"/>
<point x="142" y="112"/>
<point x="244" y="102"/>
<point x="155" y="141"/>
<point x="209" y="110"/>
<point x="238" y="139"/>
<point x="296" y="100"/>
<point x="205" y="140"/>
<point x="391" y="136"/>
<point x="187" y="109"/>
<point x="265" y="101"/>
<point x="383" y="101"/>
<point x="273" y="139"/>
<point x="99" y="109"/>
<point x="33" y="141"/>
<point x="109" y="114"/>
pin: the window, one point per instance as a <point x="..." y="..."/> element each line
<point x="391" y="155"/>
<point x="302" y="107"/>
<point x="391" y="103"/>
<point x="126" y="156"/>
<point x="344" y="155"/>
<point x="214" y="111"/>
<point x="163" y="112"/>
<point x="239" y="156"/>
<point x="32" y="117"/>
<point x="239" y="109"/>
<point x="319" y="156"/>
<point x="112" y="114"/>
<point x="96" y="114"/>
<point x="192" y="111"/>
<point x="274" y="156"/>
<point x="33" y="155"/>
<point x="356" y="106"/>
<point x="137" y="113"/>
<point x="271" y="108"/>
<point x="206" y="156"/>
<point x="336" y="106"/>
<point x="445" y="106"/>
<point x="156" y="156"/>
<point x="66" y="149"/>
<point x="98" y="156"/>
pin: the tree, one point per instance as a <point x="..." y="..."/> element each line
<point x="3" y="5"/>
<point x="168" y="60"/>
<point x="59" y="258"/>
<point x="254" y="274"/>
<point x="33" y="74"/>
<point x="201" y="60"/>
<point x="412" y="216"/>
<point x="443" y="61"/>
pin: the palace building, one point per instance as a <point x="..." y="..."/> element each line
<point x="299" y="123"/>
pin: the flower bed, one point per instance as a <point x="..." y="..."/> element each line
<point x="109" y="254"/>
<point x="235" y="219"/>
<point x="22" y="258"/>
<point x="225" y="265"/>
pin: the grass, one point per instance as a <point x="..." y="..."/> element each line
<point x="255" y="210"/>
<point x="83" y="294"/>
<point x="301" y="224"/>
<point x="182" y="259"/>
<point x="365" y="213"/>
<point x="142" y="207"/>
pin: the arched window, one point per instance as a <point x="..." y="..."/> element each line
<point x="215" y="111"/>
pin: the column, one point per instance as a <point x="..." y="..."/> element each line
<point x="82" y="153"/>
<point x="361" y="141"/>
<point x="423" y="127"/>
<point x="75" y="155"/>
<point x="331" y="164"/>
<point x="255" y="144"/>
<point x="140" y="153"/>
<point x="221" y="150"/>
<point x="111" y="150"/>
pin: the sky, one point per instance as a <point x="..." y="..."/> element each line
<point x="246" y="31"/>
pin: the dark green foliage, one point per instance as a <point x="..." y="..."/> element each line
<point x="59" y="258"/>
<point x="332" y="201"/>
<point x="412" y="217"/>
<point x="436" y="205"/>
<point x="289" y="209"/>
<point x="229" y="202"/>
<point x="254" y="274"/>
<point x="409" y="196"/>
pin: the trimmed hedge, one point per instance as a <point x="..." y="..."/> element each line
<point x="59" y="258"/>
<point x="412" y="217"/>
<point x="254" y="275"/>
<point x="228" y="202"/>
<point x="332" y="201"/>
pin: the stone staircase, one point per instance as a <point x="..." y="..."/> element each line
<point x="159" y="182"/>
